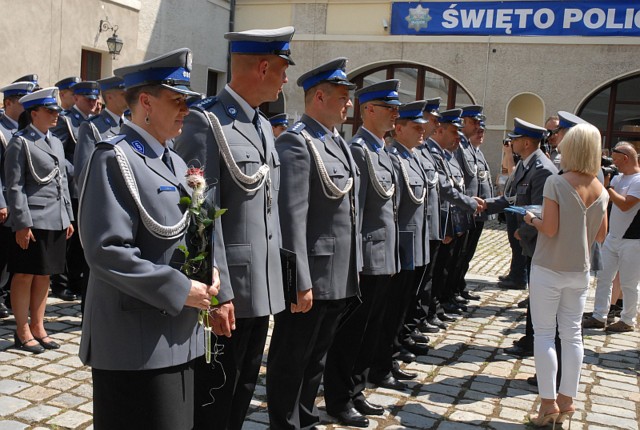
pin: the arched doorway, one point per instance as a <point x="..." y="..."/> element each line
<point x="526" y="106"/>
<point x="417" y="82"/>
<point x="615" y="110"/>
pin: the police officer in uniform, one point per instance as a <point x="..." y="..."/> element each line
<point x="232" y="140"/>
<point x="525" y="187"/>
<point x="68" y="285"/>
<point x="140" y="332"/>
<point x="279" y="123"/>
<point x="349" y="358"/>
<point x="455" y="208"/>
<point x="468" y="157"/>
<point x="8" y="126"/>
<point x="319" y="219"/>
<point x="66" y="92"/>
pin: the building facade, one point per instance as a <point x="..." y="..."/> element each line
<point x="525" y="69"/>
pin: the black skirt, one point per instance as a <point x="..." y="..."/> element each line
<point x="45" y="256"/>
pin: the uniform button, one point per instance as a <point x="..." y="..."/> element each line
<point x="164" y="313"/>
<point x="248" y="155"/>
<point x="335" y="170"/>
<point x="270" y="236"/>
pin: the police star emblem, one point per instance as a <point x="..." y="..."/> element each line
<point x="418" y="18"/>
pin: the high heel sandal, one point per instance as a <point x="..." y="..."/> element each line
<point x="564" y="415"/>
<point x="35" y="349"/>
<point x="545" y="420"/>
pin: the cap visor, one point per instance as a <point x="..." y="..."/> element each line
<point x="392" y="102"/>
<point x="54" y="108"/>
<point x="420" y="121"/>
<point x="513" y="135"/>
<point x="89" y="96"/>
<point x="182" y="89"/>
<point x="288" y="58"/>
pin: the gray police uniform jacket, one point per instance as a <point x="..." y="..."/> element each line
<point x="411" y="215"/>
<point x="466" y="158"/>
<point x="36" y="181"/>
<point x="248" y="239"/>
<point x="7" y="129"/>
<point x="451" y="190"/>
<point x="97" y="128"/>
<point x="67" y="131"/>
<point x="428" y="164"/>
<point x="485" y="185"/>
<point x="134" y="316"/>
<point x="525" y="187"/>
<point x="322" y="231"/>
<point x="377" y="209"/>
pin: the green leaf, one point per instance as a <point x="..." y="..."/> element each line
<point x="184" y="250"/>
<point x="207" y="222"/>
<point x="194" y="211"/>
<point x="185" y="201"/>
<point x="199" y="257"/>
<point x="219" y="213"/>
<point x="214" y="301"/>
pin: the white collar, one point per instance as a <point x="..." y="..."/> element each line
<point x="156" y="146"/>
<point x="380" y="141"/>
<point x="115" y="117"/>
<point x="40" y="134"/>
<point x="80" y="112"/>
<point x="246" y="107"/>
<point x="14" y="124"/>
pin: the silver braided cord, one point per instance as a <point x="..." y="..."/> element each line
<point x="330" y="190"/>
<point x="257" y="180"/>
<point x="412" y="196"/>
<point x="42" y="181"/>
<point x="377" y="186"/>
<point x="158" y="230"/>
<point x="67" y="121"/>
<point x="3" y="140"/>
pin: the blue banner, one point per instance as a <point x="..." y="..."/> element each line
<point x="518" y="18"/>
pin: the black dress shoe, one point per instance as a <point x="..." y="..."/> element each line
<point x="460" y="300"/>
<point x="451" y="308"/>
<point x="470" y="296"/>
<point x="524" y="303"/>
<point x="418" y="348"/>
<point x="419" y="337"/>
<point x="511" y="285"/>
<point x="434" y="320"/>
<point x="36" y="349"/>
<point x="67" y="295"/>
<point x="532" y="380"/>
<point x="365" y="408"/>
<point x="351" y="417"/>
<point x="401" y="375"/>
<point x="502" y="278"/>
<point x="405" y="356"/>
<point x="391" y="383"/>
<point x="427" y="327"/>
<point x="48" y="344"/>
<point x="519" y="351"/>
<point x="4" y="312"/>
<point x="447" y="318"/>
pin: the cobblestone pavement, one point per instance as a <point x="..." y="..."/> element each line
<point x="465" y="382"/>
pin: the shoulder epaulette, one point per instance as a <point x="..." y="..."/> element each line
<point x="539" y="164"/>
<point x="392" y="150"/>
<point x="358" y="141"/>
<point x="297" y="128"/>
<point x="19" y="132"/>
<point x="205" y="104"/>
<point x="113" y="140"/>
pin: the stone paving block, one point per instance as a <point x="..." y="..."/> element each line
<point x="613" y="411"/>
<point x="37" y="393"/>
<point x="56" y="369"/>
<point x="481" y="408"/>
<point x="70" y="419"/>
<point x="80" y="375"/>
<point x="512" y="414"/>
<point x="465" y="417"/>
<point x="62" y="384"/>
<point x="261" y="417"/>
<point x="611" y="420"/>
<point x="381" y="399"/>
<point x="484" y="387"/>
<point x="6" y="356"/>
<point x="9" y="405"/>
<point x="428" y="410"/>
<point x="416" y="421"/>
<point x="67" y="400"/>
<point x="87" y="407"/>
<point x="9" y="386"/>
<point x="619" y="386"/>
<point x="517" y="403"/>
<point x="608" y="391"/>
<point x="478" y="396"/>
<point x="469" y="367"/>
<point x="8" y="370"/>
<point x="618" y="377"/>
<point x="37" y="413"/>
<point x="34" y="377"/>
<point x="51" y="355"/>
<point x="250" y="425"/>
<point x="612" y="401"/>
<point x="435" y="398"/>
<point x="441" y="389"/>
<point x="12" y="425"/>
<point x="30" y="362"/>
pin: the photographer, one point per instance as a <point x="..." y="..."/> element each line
<point x="622" y="245"/>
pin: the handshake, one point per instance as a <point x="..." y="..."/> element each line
<point x="482" y="205"/>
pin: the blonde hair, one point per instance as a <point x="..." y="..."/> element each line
<point x="581" y="149"/>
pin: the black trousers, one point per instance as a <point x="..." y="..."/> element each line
<point x="6" y="235"/>
<point x="223" y="399"/>
<point x="452" y="267"/>
<point x="159" y="399"/>
<point x="355" y="342"/>
<point x="468" y="249"/>
<point x="518" y="271"/>
<point x="297" y="356"/>
<point x="440" y="270"/>
<point x="427" y="303"/>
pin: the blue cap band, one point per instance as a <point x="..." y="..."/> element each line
<point x="18" y="92"/>
<point x="67" y="85"/>
<point x="87" y="91"/>
<point x="329" y="75"/>
<point x="410" y="114"/>
<point x="520" y="131"/>
<point x="39" y="102"/>
<point x="378" y="95"/>
<point x="432" y="107"/>
<point x="279" y="121"/>
<point x="112" y="86"/>
<point x="157" y="76"/>
<point x="253" y="47"/>
<point x="470" y="113"/>
<point x="562" y="124"/>
<point x="449" y="119"/>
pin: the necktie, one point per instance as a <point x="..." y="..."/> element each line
<point x="46" y="139"/>
<point x="166" y="159"/>
<point x="256" y="124"/>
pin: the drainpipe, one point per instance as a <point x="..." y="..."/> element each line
<point x="232" y="18"/>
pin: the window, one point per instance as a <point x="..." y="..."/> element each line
<point x="416" y="83"/>
<point x="212" y="83"/>
<point x="90" y="66"/>
<point x="615" y="110"/>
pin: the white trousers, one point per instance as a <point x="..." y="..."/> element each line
<point x="619" y="255"/>
<point x="557" y="298"/>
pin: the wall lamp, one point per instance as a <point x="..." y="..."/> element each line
<point x="114" y="43"/>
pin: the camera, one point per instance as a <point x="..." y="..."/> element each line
<point x="607" y="166"/>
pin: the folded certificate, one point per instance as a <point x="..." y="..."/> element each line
<point x="289" y="275"/>
<point x="521" y="210"/>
